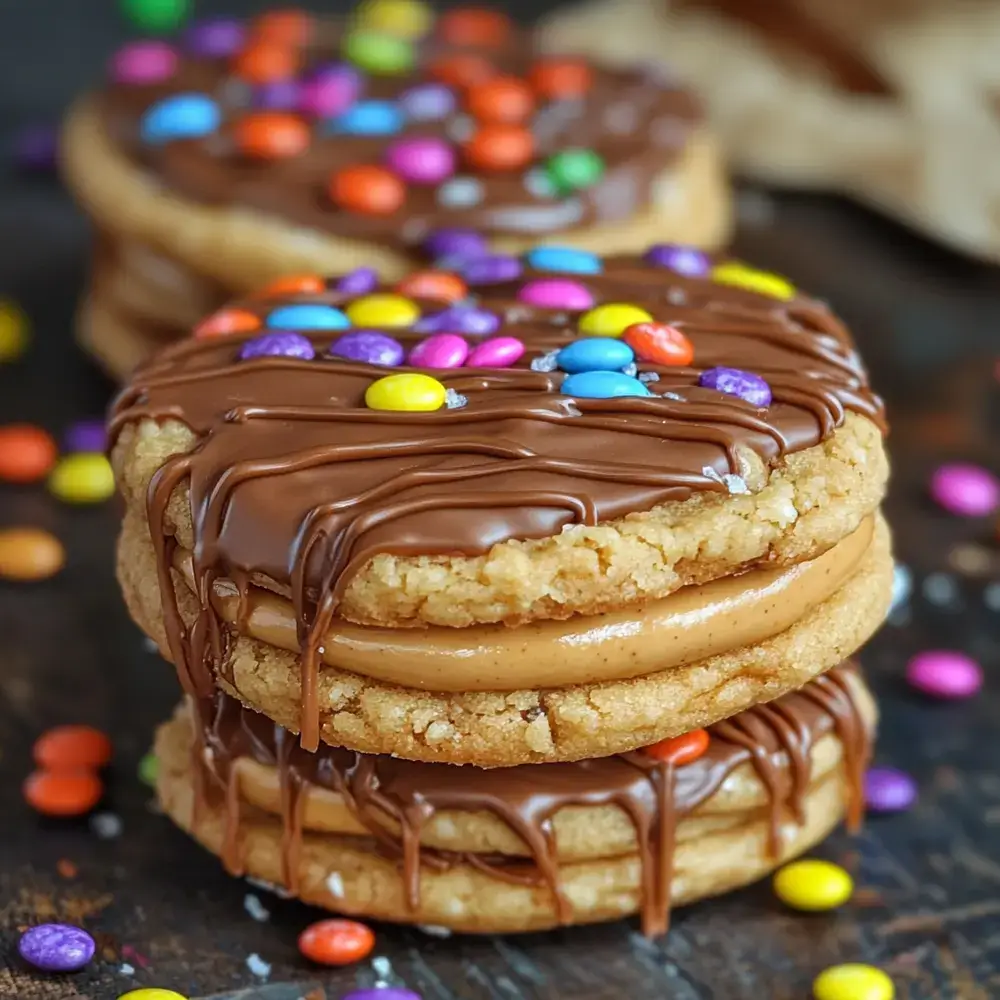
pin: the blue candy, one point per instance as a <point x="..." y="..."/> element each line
<point x="307" y="316"/>
<point x="183" y="116"/>
<point x="565" y="259"/>
<point x="603" y="385"/>
<point x="595" y="354"/>
<point x="370" y="118"/>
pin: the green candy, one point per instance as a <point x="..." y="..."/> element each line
<point x="149" y="768"/>
<point x="574" y="169"/>
<point x="382" y="55"/>
<point x="156" y="16"/>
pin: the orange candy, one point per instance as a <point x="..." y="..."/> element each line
<point x="500" y="147"/>
<point x="72" y="748"/>
<point x="292" y="284"/>
<point x="336" y="942"/>
<point x="461" y="69"/>
<point x="27" y="453"/>
<point x="227" y="321"/>
<point x="474" y="26"/>
<point x="271" y="135"/>
<point x="502" y="99"/>
<point x="370" y="190"/>
<point x="266" y="62"/>
<point x="659" y="344"/>
<point x="63" y="793"/>
<point x="29" y="554"/>
<point x="560" y="78"/>
<point x="438" y="285"/>
<point x="681" y="750"/>
<point x="283" y="27"/>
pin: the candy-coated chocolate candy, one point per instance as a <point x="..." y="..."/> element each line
<point x="460" y="192"/>
<point x="307" y="316"/>
<point x="461" y="69"/>
<point x="227" y="321"/>
<point x="595" y="354"/>
<point x="266" y="62"/>
<point x="378" y="53"/>
<point x="405" y="18"/>
<point x="35" y="148"/>
<point x="561" y="78"/>
<point x="680" y="750"/>
<point x="564" y="259"/>
<point x="340" y="942"/>
<point x="156" y="16"/>
<point x="888" y="789"/>
<point x="474" y="26"/>
<point x="574" y="169"/>
<point x="556" y="293"/>
<point x="945" y="673"/>
<point x="500" y="147"/>
<point x="853" y="981"/>
<point x="86" y="477"/>
<point x="438" y="285"/>
<point x="271" y="135"/>
<point x="736" y="382"/>
<point x="491" y="269"/>
<point x="85" y="435"/>
<point x="64" y="792"/>
<point x="27" y="453"/>
<point x="215" y="38"/>
<point x="293" y="284"/>
<point x="370" y="118"/>
<point x="370" y="347"/>
<point x="143" y="62"/>
<point x="470" y="320"/>
<point x="330" y="90"/>
<point x="290" y="26"/>
<point x="684" y="260"/>
<point x="367" y="189"/>
<point x="360" y="281"/>
<point x="278" y="95"/>
<point x="441" y="350"/>
<point x="72" y="746"/>
<point x="29" y="554"/>
<point x="966" y="490"/>
<point x="56" y="947"/>
<point x="500" y="99"/>
<point x="659" y="344"/>
<point x="152" y="993"/>
<point x="603" y="385"/>
<point x="383" y="309"/>
<point x="454" y="242"/>
<point x="409" y="391"/>
<point x="421" y="159"/>
<point x="279" y="344"/>
<point x="149" y="769"/>
<point x="14" y="333"/>
<point x="183" y="116"/>
<point x="813" y="885"/>
<point x="612" y="319"/>
<point x="427" y="102"/>
<point x="739" y="275"/>
<point x="497" y="352"/>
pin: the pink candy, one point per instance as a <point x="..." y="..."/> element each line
<point x="143" y="63"/>
<point x="944" y="673"/>
<point x="421" y="159"/>
<point x="966" y="490"/>
<point x="443" y="350"/>
<point x="498" y="352"/>
<point x="556" y="293"/>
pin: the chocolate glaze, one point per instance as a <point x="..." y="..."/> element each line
<point x="777" y="739"/>
<point x="295" y="480"/>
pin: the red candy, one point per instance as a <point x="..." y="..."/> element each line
<point x="561" y="78"/>
<point x="283" y="27"/>
<point x="63" y="793"/>
<point x="500" y="147"/>
<point x="461" y="69"/>
<point x="227" y="321"/>
<point x="659" y="344"/>
<point x="292" y="284"/>
<point x="474" y="26"/>
<point x="27" y="453"/>
<point x="681" y="750"/>
<point x="336" y="942"/>
<point x="271" y="135"/>
<point x="266" y="62"/>
<point x="369" y="190"/>
<point x="438" y="285"/>
<point x="502" y="99"/>
<point x="72" y="748"/>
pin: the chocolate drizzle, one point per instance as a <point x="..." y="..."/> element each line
<point x="776" y="739"/>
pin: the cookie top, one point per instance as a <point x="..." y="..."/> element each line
<point x="394" y="122"/>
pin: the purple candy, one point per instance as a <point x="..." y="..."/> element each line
<point x="497" y="352"/>
<point x="85" y="435"/>
<point x="442" y="350"/>
<point x="36" y="147"/>
<point x="56" y="947"/>
<point x="278" y="343"/>
<point x="360" y="281"/>
<point x="427" y="102"/>
<point x="944" y="673"/>
<point x="684" y="260"/>
<point x="556" y="293"/>
<point x="330" y="90"/>
<point x="491" y="269"/>
<point x="215" y="38"/>
<point x="422" y="159"/>
<point x="371" y="347"/>
<point x="966" y="490"/>
<point x="278" y="95"/>
<point x="382" y="993"/>
<point x="889" y="790"/>
<point x="735" y="382"/>
<point x="143" y="63"/>
<point x="461" y="243"/>
<point x="469" y="320"/>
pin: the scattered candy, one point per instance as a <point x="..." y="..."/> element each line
<point x="688" y="261"/>
<point x="73" y="746"/>
<point x="271" y="136"/>
<point x="474" y="27"/>
<point x="283" y="344"/>
<point x="497" y="352"/>
<point x="152" y="994"/>
<point x="278" y="95"/>
<point x="36" y="148"/>
<point x="574" y="169"/>
<point x="29" y="554"/>
<point x="143" y="62"/>
<point x="156" y="16"/>
<point x="382" y="992"/>
<point x="360" y="281"/>
<point x="603" y="385"/>
<point x="149" y="769"/>
<point x="455" y="243"/>
<point x="659" y="344"/>
<point x="461" y="69"/>
<point x="441" y="350"/>
<point x="405" y="18"/>
<point x="215" y="38"/>
<point x="813" y="885"/>
<point x="559" y="79"/>
<point x="27" y="453"/>
<point x="63" y="793"/>
<point x="594" y="354"/>
<point x="564" y="259"/>
<point x="681" y="750"/>
<point x="491" y="269"/>
<point x="749" y="278"/>
<point x="13" y="330"/>
<point x="853" y="981"/>
<point x="338" y="942"/>
<point x="86" y="477"/>
<point x="370" y="190"/>
<point x="284" y="27"/>
<point x="427" y="102"/>
<point x="378" y="53"/>
<point x="266" y="62"/>
<point x="370" y="118"/>
<point x="556" y="293"/>
<point x="383" y="309"/>
<point x="369" y="347"/>
<point x="56" y="947"/>
<point x="293" y="284"/>
<point x="183" y="116"/>
<point x="421" y="159"/>
<point x="500" y="147"/>
<point x="889" y="790"/>
<point x="965" y="490"/>
<point x="330" y="90"/>
<point x="460" y="192"/>
<point x="735" y="382"/>
<point x="85" y="435"/>
<point x="307" y="316"/>
<point x="437" y="285"/>
<point x="411" y="391"/>
<point x="612" y="319"/>
<point x="470" y="320"/>
<point x="500" y="99"/>
<point x="227" y="321"/>
<point x="945" y="673"/>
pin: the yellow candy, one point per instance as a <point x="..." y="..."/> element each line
<point x="408" y="391"/>
<point x="749" y="278"/>
<point x="152" y="994"/>
<point x="13" y="330"/>
<point x="403" y="18"/>
<point x="611" y="320"/>
<point x="853" y="982"/>
<point x="383" y="310"/>
<point x="813" y="885"/>
<point x="85" y="477"/>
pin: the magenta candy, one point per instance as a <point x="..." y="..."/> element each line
<point x="966" y="490"/>
<point x="330" y="90"/>
<point x="556" y="293"/>
<point x="443" y="350"/>
<point x="945" y="673"/>
<point x="889" y="790"/>
<point x="421" y="159"/>
<point x="497" y="352"/>
<point x="143" y="63"/>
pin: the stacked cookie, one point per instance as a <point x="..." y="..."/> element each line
<point x="507" y="604"/>
<point x="292" y="144"/>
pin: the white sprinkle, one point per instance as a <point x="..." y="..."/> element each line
<point x="545" y="362"/>
<point x="630" y="370"/>
<point x="126" y="970"/>
<point x="258" y="967"/>
<point x="672" y="395"/>
<point x="460" y="192"/>
<point x="991" y="596"/>
<point x="649" y="376"/>
<point x="460" y="128"/>
<point x="538" y="182"/>
<point x="676" y="296"/>
<point x="149" y="645"/>
<point x="902" y="586"/>
<point x="106" y="826"/>
<point x="335" y="883"/>
<point x="383" y="968"/>
<point x="255" y="908"/>
<point x="454" y="400"/>
<point x="433" y="930"/>
<point x="941" y="589"/>
<point x="279" y="890"/>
